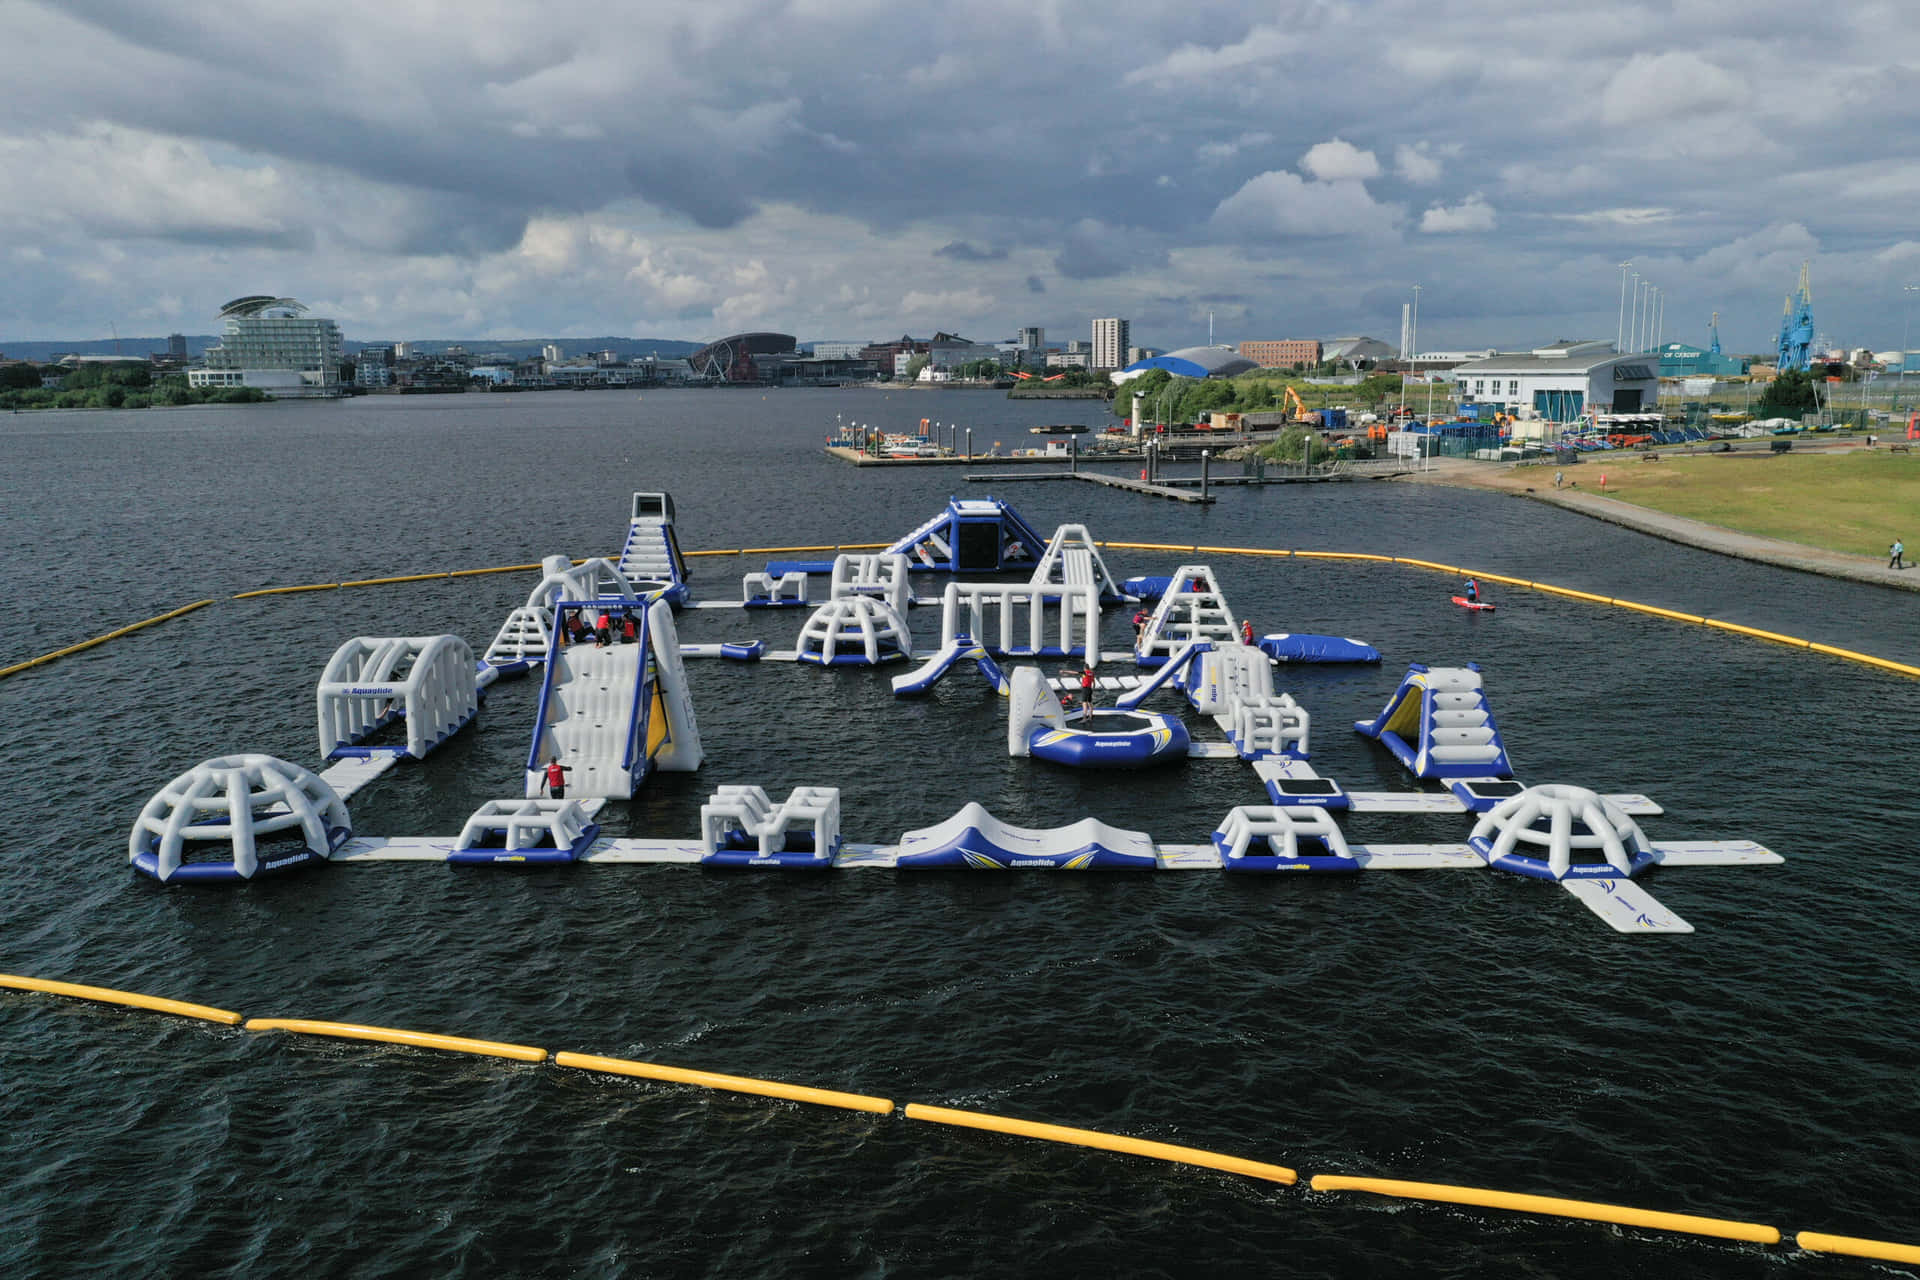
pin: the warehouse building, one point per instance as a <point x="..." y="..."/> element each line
<point x="1561" y="381"/>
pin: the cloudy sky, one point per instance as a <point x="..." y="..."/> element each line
<point x="852" y="169"/>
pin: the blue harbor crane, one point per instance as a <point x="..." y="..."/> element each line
<point x="1796" y="327"/>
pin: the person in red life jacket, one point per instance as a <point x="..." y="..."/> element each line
<point x="577" y="628"/>
<point x="603" y="630"/>
<point x="1472" y="591"/>
<point x="1086" y="687"/>
<point x="557" y="778"/>
<point x="629" y="629"/>
<point x="1246" y="631"/>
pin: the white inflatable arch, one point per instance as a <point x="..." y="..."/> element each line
<point x="371" y="680"/>
<point x="854" y="631"/>
<point x="1547" y="823"/>
<point x="236" y="800"/>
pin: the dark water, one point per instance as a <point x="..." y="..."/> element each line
<point x="1458" y="1027"/>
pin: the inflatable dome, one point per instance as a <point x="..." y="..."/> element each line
<point x="855" y="631"/>
<point x="234" y="817"/>
<point x="1556" y="832"/>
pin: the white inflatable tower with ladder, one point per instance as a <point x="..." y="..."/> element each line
<point x="651" y="557"/>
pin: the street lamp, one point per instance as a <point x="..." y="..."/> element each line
<point x="1620" y="325"/>
<point x="1906" y="331"/>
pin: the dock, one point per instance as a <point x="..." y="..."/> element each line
<point x="1112" y="482"/>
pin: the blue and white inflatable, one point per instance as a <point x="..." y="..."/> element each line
<point x="235" y="817"/>
<point x="526" y="832"/>
<point x="974" y="839"/>
<point x="1555" y="832"/>
<point x="1269" y="838"/>
<point x="1039" y="727"/>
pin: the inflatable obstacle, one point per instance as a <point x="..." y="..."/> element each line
<point x="650" y="558"/>
<point x="975" y="840"/>
<point x="530" y="632"/>
<point x="741" y="827"/>
<point x="1191" y="608"/>
<point x="1284" y="646"/>
<point x="862" y="631"/>
<point x="1038" y="727"/>
<point x="372" y="681"/>
<point x="786" y="590"/>
<point x="1072" y="560"/>
<point x="973" y="535"/>
<point x="610" y="714"/>
<point x="1233" y="683"/>
<point x="1024" y="619"/>
<point x="1555" y="832"/>
<point x="1267" y="838"/>
<point x="1439" y="726"/>
<point x="883" y="576"/>
<point x="959" y="649"/>
<point x="526" y="832"/>
<point x="234" y="817"/>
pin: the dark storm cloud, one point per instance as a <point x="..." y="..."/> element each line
<point x="962" y="251"/>
<point x="1148" y="153"/>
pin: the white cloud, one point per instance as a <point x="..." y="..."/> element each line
<point x="1280" y="203"/>
<point x="1191" y="63"/>
<point x="1220" y="152"/>
<point x="1619" y="217"/>
<point x="1416" y="163"/>
<point x="1669" y="87"/>
<point x="1471" y="214"/>
<point x="1337" y="160"/>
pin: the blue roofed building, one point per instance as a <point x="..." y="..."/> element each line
<point x="1191" y="362"/>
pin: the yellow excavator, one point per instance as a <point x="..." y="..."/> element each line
<point x="1300" y="411"/>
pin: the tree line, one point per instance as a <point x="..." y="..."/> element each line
<point x="128" y="385"/>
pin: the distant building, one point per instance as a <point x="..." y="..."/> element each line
<point x="885" y="355"/>
<point x="552" y="353"/>
<point x="1033" y="338"/>
<point x="271" y="343"/>
<point x="1679" y="360"/>
<point x="838" y="350"/>
<point x="744" y="357"/>
<point x="1137" y="354"/>
<point x="1561" y="381"/>
<point x="1110" y="340"/>
<point x="1282" y="353"/>
<point x="1191" y="362"/>
<point x="1069" y="359"/>
<point x="374" y="367"/>
<point x="177" y="346"/>
<point x="1351" y="351"/>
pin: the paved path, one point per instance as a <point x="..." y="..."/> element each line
<point x="1692" y="533"/>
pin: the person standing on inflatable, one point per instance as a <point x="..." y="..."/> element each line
<point x="1246" y="631"/>
<point x="1086" y="687"/>
<point x="557" y="778"/>
<point x="1473" y="591"/>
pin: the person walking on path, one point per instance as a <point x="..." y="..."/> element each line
<point x="1559" y="479"/>
<point x="557" y="778"/>
<point x="1894" y="554"/>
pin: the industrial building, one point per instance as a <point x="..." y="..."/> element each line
<point x="1560" y="381"/>
<point x="271" y="343"/>
<point x="1282" y="353"/>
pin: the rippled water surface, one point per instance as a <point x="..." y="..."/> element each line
<point x="1454" y="1027"/>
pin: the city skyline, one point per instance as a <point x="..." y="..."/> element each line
<point x="698" y="170"/>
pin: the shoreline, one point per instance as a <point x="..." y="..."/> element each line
<point x="1511" y="480"/>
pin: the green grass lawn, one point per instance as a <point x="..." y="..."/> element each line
<point x="1855" y="502"/>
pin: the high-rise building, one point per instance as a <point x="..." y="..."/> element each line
<point x="176" y="346"/>
<point x="1110" y="340"/>
<point x="271" y="343"/>
<point x="1033" y="337"/>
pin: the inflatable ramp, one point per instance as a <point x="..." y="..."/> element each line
<point x="1438" y="724"/>
<point x="974" y="839"/>
<point x="1071" y="560"/>
<point x="651" y="558"/>
<point x="959" y="649"/>
<point x="1190" y="609"/>
<point x="609" y="714"/>
<point x="973" y="535"/>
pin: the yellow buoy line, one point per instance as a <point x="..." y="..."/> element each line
<point x="1851" y="655"/>
<point x="102" y="639"/>
<point x="1832" y="651"/>
<point x="1430" y="1192"/>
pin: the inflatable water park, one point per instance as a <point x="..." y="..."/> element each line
<point x="974" y="593"/>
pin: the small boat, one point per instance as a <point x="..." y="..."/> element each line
<point x="1478" y="606"/>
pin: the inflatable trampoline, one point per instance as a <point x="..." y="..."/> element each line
<point x="1111" y="740"/>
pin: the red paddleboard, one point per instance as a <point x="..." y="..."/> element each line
<point x="1465" y="603"/>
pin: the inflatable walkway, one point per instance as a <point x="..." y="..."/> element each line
<point x="610" y="713"/>
<point x="961" y="648"/>
<point x="1438" y="724"/>
<point x="651" y="558"/>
